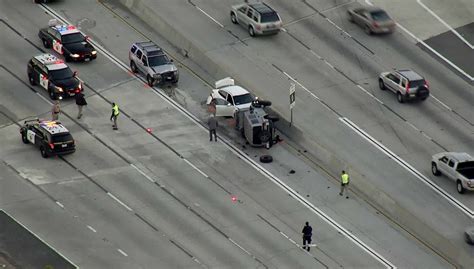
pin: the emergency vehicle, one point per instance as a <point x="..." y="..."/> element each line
<point x="51" y="137"/>
<point x="54" y="76"/>
<point x="67" y="40"/>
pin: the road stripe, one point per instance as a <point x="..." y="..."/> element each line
<point x="407" y="167"/>
<point x="92" y="229"/>
<point x="118" y="201"/>
<point x="122" y="252"/>
<point x="456" y="33"/>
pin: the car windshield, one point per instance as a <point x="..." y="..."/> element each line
<point x="379" y="15"/>
<point x="61" y="74"/>
<point x="269" y="17"/>
<point x="158" y="60"/>
<point x="72" y="38"/>
<point x="417" y="83"/>
<point x="243" y="99"/>
<point x="59" y="138"/>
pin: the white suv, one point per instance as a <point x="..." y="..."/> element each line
<point x="406" y="84"/>
<point x="258" y="18"/>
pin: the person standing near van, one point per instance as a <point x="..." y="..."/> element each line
<point x="212" y="123"/>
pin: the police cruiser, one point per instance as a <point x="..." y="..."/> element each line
<point x="51" y="137"/>
<point x="54" y="76"/>
<point x="67" y="40"/>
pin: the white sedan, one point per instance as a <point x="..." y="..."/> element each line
<point x="229" y="98"/>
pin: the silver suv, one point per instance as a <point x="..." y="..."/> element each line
<point x="150" y="59"/>
<point x="258" y="18"/>
<point x="406" y="84"/>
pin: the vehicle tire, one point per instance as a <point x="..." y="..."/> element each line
<point x="381" y="85"/>
<point x="434" y="169"/>
<point x="133" y="67"/>
<point x="367" y="30"/>
<point x="149" y="80"/>
<point x="272" y="118"/>
<point x="233" y="18"/>
<point x="43" y="152"/>
<point x="459" y="186"/>
<point x="24" y="138"/>
<point x="52" y="95"/>
<point x="251" y="31"/>
<point x="351" y="18"/>
<point x="264" y="136"/>
<point x="46" y="44"/>
<point x="31" y="80"/>
<point x="266" y="159"/>
<point x="400" y="98"/>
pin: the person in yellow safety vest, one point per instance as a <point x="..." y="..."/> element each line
<point x="113" y="117"/>
<point x="344" y="182"/>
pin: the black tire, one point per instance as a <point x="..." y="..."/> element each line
<point x="434" y="169"/>
<point x="46" y="44"/>
<point x="133" y="67"/>
<point x="459" y="186"/>
<point x="266" y="159"/>
<point x="67" y="58"/>
<point x="233" y="18"/>
<point x="251" y="31"/>
<point x="381" y="85"/>
<point x="43" y="152"/>
<point x="52" y="95"/>
<point x="272" y="118"/>
<point x="400" y="98"/>
<point x="150" y="80"/>
<point x="24" y="138"/>
<point x="31" y="80"/>
<point x="367" y="30"/>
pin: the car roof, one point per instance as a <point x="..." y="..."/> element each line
<point x="65" y="29"/>
<point x="460" y="156"/>
<point x="53" y="127"/>
<point x="410" y="74"/>
<point x="262" y="8"/>
<point x="235" y="90"/>
<point x="50" y="61"/>
<point x="150" y="48"/>
<point x="373" y="9"/>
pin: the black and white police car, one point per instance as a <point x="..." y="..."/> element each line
<point x="67" y="40"/>
<point x="54" y="76"/>
<point x="51" y="137"/>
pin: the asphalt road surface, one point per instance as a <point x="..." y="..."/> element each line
<point x="131" y="199"/>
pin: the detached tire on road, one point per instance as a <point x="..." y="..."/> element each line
<point x="266" y="159"/>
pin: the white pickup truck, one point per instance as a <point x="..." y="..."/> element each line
<point x="457" y="166"/>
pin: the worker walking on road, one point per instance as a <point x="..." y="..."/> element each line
<point x="113" y="117"/>
<point x="213" y="124"/>
<point x="344" y="183"/>
<point x="55" y="110"/>
<point x="307" y="234"/>
<point x="80" y="102"/>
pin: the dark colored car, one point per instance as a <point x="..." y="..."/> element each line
<point x="67" y="40"/>
<point x="51" y="137"/>
<point x="54" y="76"/>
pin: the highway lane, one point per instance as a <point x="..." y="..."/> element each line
<point x="78" y="181"/>
<point x="255" y="70"/>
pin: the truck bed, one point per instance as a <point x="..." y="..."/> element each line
<point x="466" y="169"/>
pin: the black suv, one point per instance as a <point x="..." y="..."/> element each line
<point x="51" y="137"/>
<point x="54" y="76"/>
<point x="67" y="40"/>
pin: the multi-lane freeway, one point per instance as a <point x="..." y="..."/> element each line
<point x="157" y="194"/>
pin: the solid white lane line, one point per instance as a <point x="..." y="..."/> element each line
<point x="210" y="17"/>
<point x="195" y="168"/>
<point x="118" y="201"/>
<point x="443" y="104"/>
<point x="456" y="33"/>
<point x="122" y="252"/>
<point x="59" y="204"/>
<point x="92" y="229"/>
<point x="436" y="52"/>
<point x="228" y="144"/>
<point x="235" y="243"/>
<point x="143" y="173"/>
<point x="407" y="167"/>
